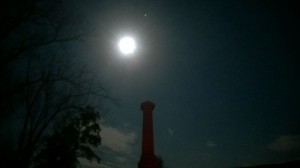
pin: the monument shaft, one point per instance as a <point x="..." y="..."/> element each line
<point x="148" y="159"/>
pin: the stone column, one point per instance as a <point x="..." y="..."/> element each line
<point x="148" y="159"/>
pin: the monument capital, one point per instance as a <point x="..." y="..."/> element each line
<point x="147" y="105"/>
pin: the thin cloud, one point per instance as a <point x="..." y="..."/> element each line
<point x="116" y="139"/>
<point x="210" y="144"/>
<point x="110" y="165"/>
<point x="120" y="159"/>
<point x="286" y="143"/>
<point x="171" y="132"/>
<point x="88" y="164"/>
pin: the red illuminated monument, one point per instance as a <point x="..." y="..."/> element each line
<point x="148" y="159"/>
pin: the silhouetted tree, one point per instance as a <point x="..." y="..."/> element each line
<point x="52" y="96"/>
<point x="41" y="81"/>
<point x="161" y="163"/>
<point x="76" y="138"/>
<point x="56" y="92"/>
<point x="29" y="27"/>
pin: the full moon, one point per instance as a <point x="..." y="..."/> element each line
<point x="127" y="45"/>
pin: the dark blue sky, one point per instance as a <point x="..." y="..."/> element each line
<point x="224" y="76"/>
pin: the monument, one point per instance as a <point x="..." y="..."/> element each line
<point x="148" y="158"/>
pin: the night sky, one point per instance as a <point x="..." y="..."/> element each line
<point x="224" y="76"/>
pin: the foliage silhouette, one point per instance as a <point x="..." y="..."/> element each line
<point x="76" y="138"/>
<point x="161" y="163"/>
